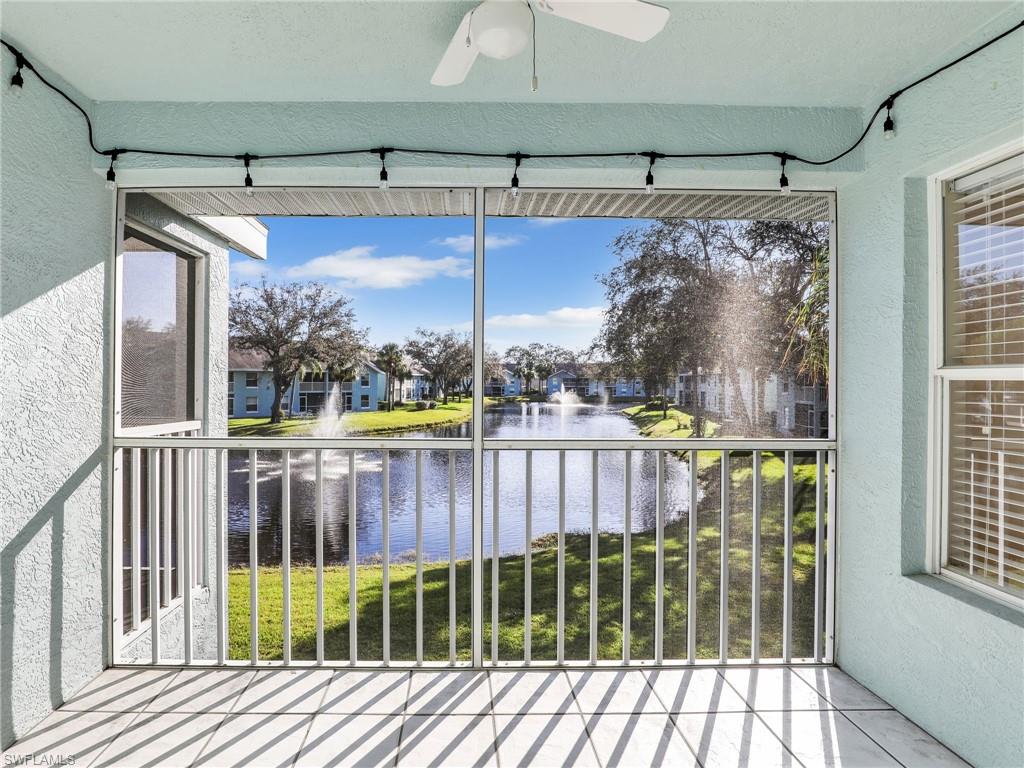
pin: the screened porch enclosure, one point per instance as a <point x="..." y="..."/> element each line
<point x="497" y="547"/>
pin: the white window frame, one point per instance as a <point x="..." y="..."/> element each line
<point x="255" y="402"/>
<point x="940" y="375"/>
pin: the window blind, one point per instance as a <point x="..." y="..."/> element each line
<point x="984" y="331"/>
<point x="985" y="267"/>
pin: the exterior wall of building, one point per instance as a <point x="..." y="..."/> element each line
<point x="949" y="659"/>
<point x="57" y="223"/>
<point x="364" y="397"/>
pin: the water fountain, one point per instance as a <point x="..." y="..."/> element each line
<point x="561" y="397"/>
<point x="329" y="421"/>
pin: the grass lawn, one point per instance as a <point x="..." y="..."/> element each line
<point x="544" y="587"/>
<point x="675" y="424"/>
<point x="404" y="417"/>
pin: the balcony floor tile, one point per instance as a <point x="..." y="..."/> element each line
<point x="306" y="717"/>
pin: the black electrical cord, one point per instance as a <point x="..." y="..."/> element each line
<point x="117" y="152"/>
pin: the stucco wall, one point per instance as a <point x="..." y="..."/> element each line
<point x="55" y="240"/>
<point x="952" y="662"/>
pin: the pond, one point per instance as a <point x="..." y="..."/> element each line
<point x="515" y="420"/>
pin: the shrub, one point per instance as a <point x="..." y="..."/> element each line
<point x="421" y="405"/>
<point x="432" y="404"/>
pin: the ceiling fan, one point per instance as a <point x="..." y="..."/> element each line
<point x="500" y="29"/>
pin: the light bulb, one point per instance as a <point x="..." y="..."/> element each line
<point x="784" y="185"/>
<point x="383" y="180"/>
<point x="649" y="183"/>
<point x="889" y="128"/>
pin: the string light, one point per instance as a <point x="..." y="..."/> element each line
<point x="17" y="81"/>
<point x="888" y="127"/>
<point x="514" y="186"/>
<point x="111" y="176"/>
<point x="783" y="180"/>
<point x="383" y="153"/>
<point x="247" y="158"/>
<point x="649" y="179"/>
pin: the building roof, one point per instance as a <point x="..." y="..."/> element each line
<point x="246" y="359"/>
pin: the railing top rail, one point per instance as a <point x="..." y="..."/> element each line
<point x="159" y="430"/>
<point x="490" y="444"/>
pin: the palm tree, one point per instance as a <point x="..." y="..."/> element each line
<point x="389" y="360"/>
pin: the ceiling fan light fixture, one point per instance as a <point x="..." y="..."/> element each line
<point x="501" y="29"/>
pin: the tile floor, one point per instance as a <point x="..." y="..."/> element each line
<point x="770" y="716"/>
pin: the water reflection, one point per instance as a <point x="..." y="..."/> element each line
<point x="506" y="421"/>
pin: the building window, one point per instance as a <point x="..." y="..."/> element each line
<point x="364" y="380"/>
<point x="252" y="405"/>
<point x="785" y="387"/>
<point x="231" y="406"/>
<point x="159" y="336"/>
<point x="252" y="380"/>
<point x="364" y="401"/>
<point x="978" y="379"/>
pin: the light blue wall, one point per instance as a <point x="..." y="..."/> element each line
<point x="55" y="242"/>
<point x="951" y="662"/>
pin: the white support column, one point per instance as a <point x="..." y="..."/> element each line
<point x="222" y="554"/>
<point x="185" y="565"/>
<point x="830" y="560"/>
<point x="166" y="487"/>
<point x="478" y="428"/>
<point x="136" y="540"/>
<point x="819" y="555"/>
<point x="787" y="565"/>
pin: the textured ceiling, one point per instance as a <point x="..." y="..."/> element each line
<point x="312" y="201"/>
<point x="728" y="53"/>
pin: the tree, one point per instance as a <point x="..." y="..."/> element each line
<point x="523" y="364"/>
<point x="296" y="326"/>
<point x="402" y="373"/>
<point x="390" y="360"/>
<point x="444" y="356"/>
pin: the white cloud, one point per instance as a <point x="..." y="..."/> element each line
<point x="564" y="317"/>
<point x="248" y="268"/>
<point x="465" y="243"/>
<point x="357" y="267"/>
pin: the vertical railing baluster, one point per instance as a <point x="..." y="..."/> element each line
<point x="691" y="566"/>
<point x="185" y="566"/>
<point x="117" y="553"/>
<point x="136" y="538"/>
<point x="202" y="504"/>
<point x="830" y="559"/>
<point x="495" y="548"/>
<point x="659" y="558"/>
<point x="819" y="553"/>
<point x="153" y="459"/>
<point x="755" y="561"/>
<point x="560" y="609"/>
<point x="353" y="557"/>
<point x="286" y="554"/>
<point x="385" y="527"/>
<point x="221" y="458"/>
<point x="787" y="572"/>
<point x="166" y="486"/>
<point x="723" y="580"/>
<point x="254" y="618"/>
<point x="627" y="555"/>
<point x="318" y="526"/>
<point x="594" y="466"/>
<point x="419" y="557"/>
<point x="181" y="506"/>
<point x="452" y="618"/>
<point x="528" y="564"/>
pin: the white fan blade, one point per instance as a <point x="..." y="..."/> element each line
<point x="458" y="58"/>
<point x="632" y="19"/>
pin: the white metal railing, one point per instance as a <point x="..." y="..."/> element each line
<point x="674" y="645"/>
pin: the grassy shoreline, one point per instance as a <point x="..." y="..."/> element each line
<point x="403" y="418"/>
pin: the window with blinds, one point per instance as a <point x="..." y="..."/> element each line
<point x="983" y="374"/>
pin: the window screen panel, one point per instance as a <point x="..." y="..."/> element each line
<point x="984" y="266"/>
<point x="985" y="526"/>
<point x="157" y="334"/>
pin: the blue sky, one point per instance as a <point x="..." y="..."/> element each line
<point x="402" y="273"/>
